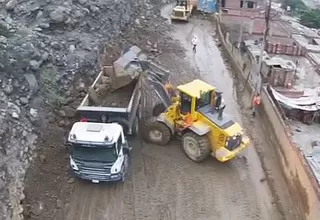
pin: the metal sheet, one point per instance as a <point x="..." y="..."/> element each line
<point x="305" y="104"/>
<point x="208" y="6"/>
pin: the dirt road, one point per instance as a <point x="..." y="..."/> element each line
<point x="165" y="185"/>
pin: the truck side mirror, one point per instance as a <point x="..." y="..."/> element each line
<point x="68" y="147"/>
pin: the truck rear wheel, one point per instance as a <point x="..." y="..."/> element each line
<point x="197" y="148"/>
<point x="156" y="132"/>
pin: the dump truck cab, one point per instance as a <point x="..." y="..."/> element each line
<point x="197" y="116"/>
<point x="182" y="11"/>
<point x="98" y="151"/>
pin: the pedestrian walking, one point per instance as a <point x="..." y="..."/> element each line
<point x="194" y="42"/>
<point x="255" y="103"/>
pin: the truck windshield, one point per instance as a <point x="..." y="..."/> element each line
<point x="105" y="154"/>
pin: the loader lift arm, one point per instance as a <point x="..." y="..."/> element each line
<point x="158" y="79"/>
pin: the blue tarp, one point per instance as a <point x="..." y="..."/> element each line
<point x="208" y="6"/>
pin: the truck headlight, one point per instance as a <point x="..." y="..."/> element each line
<point x="115" y="175"/>
<point x="73" y="164"/>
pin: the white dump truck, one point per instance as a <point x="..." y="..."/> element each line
<point x="99" y="150"/>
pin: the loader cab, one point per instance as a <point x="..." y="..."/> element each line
<point x="194" y="96"/>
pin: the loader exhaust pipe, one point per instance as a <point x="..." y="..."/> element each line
<point x="220" y="113"/>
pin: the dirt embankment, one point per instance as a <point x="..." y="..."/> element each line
<point x="48" y="183"/>
<point x="44" y="47"/>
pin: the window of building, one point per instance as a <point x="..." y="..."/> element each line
<point x="250" y="4"/>
<point x="223" y="3"/>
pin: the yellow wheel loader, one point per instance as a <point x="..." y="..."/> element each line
<point x="194" y="112"/>
<point x="183" y="10"/>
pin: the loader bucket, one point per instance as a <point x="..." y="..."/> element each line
<point x="158" y="81"/>
<point x="126" y="69"/>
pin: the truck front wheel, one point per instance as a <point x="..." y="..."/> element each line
<point x="156" y="132"/>
<point x="197" y="148"/>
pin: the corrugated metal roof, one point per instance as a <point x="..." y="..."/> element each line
<point x="300" y="40"/>
<point x="317" y="40"/>
<point x="315" y="57"/>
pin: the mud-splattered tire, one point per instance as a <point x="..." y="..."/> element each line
<point x="158" y="109"/>
<point x="197" y="148"/>
<point x="156" y="132"/>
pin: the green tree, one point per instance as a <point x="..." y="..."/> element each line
<point x="310" y="18"/>
<point x="295" y="5"/>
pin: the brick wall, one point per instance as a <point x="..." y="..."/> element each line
<point x="292" y="50"/>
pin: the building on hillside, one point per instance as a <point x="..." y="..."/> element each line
<point x="278" y="72"/>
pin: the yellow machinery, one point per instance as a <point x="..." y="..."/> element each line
<point x="196" y="114"/>
<point x="182" y="11"/>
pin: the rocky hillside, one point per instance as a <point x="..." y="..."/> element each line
<point x="44" y="45"/>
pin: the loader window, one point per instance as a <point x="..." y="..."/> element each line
<point x="185" y="103"/>
<point x="204" y="100"/>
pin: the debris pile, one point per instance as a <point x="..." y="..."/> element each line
<point x="44" y="46"/>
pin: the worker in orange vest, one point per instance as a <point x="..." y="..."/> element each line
<point x="255" y="103"/>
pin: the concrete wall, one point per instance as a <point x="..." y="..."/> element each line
<point x="298" y="173"/>
<point x="299" y="176"/>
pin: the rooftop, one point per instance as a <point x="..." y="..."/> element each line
<point x="279" y="61"/>
<point x="304" y="136"/>
<point x="195" y="88"/>
<point x="95" y="132"/>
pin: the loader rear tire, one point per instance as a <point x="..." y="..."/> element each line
<point x="197" y="148"/>
<point x="156" y="132"/>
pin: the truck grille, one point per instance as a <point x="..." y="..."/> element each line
<point x="234" y="142"/>
<point x="178" y="13"/>
<point x="94" y="170"/>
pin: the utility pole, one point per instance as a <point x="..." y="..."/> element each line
<point x="242" y="23"/>
<point x="264" y="42"/>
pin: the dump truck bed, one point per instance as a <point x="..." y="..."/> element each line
<point x="115" y="94"/>
<point x="103" y="100"/>
<point x="119" y="98"/>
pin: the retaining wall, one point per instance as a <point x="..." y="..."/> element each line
<point x="298" y="174"/>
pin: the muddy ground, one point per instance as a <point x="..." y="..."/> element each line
<point x="163" y="183"/>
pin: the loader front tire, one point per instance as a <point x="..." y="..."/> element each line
<point x="156" y="132"/>
<point x="197" y="148"/>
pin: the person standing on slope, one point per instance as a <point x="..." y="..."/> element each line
<point x="194" y="42"/>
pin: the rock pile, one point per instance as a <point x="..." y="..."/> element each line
<point x="44" y="45"/>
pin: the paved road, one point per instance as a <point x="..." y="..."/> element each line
<point x="164" y="184"/>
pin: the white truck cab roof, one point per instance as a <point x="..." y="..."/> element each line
<point x="95" y="132"/>
<point x="179" y="8"/>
